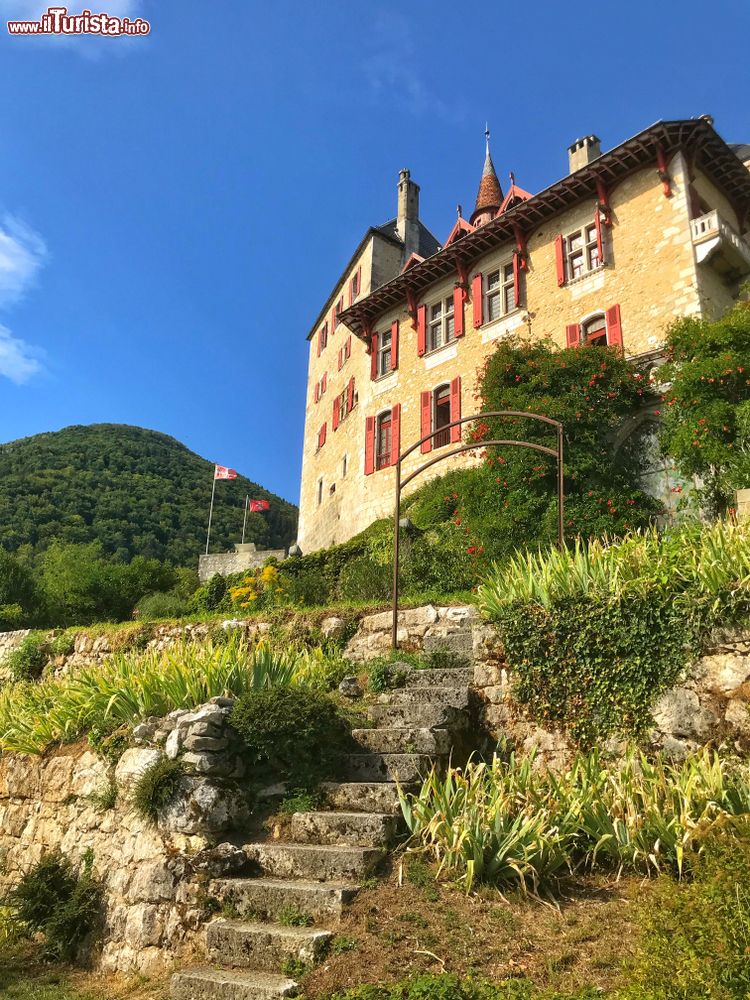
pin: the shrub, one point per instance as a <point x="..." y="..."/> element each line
<point x="132" y="686"/>
<point x="299" y="732"/>
<point x="707" y="403"/>
<point x="444" y="986"/>
<point x="511" y="824"/>
<point x="595" y="633"/>
<point x="156" y="788"/>
<point x="170" y="604"/>
<point x="29" y="659"/>
<point x="364" y="580"/>
<point x="59" y="902"/>
<point x="385" y="675"/>
<point x="695" y="937"/>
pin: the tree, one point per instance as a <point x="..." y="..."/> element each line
<point x="18" y="596"/>
<point x="510" y="501"/>
<point x="707" y="403"/>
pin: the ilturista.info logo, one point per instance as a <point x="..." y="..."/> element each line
<point x="57" y="21"/>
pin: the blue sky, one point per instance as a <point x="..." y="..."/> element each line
<point x="174" y="209"/>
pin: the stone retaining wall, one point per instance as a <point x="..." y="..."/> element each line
<point x="154" y="874"/>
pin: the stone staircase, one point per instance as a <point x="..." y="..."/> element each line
<point x="332" y="851"/>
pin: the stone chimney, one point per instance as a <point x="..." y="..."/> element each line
<point x="583" y="151"/>
<point x="407" y="221"/>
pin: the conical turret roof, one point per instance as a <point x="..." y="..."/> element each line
<point x="490" y="194"/>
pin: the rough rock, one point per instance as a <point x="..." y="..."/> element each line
<point x="201" y="806"/>
<point x="332" y="627"/>
<point x="133" y="763"/>
<point x="350" y="687"/>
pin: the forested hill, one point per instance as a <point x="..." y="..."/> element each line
<point x="136" y="491"/>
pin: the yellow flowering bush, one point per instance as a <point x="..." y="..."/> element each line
<point x="259" y="589"/>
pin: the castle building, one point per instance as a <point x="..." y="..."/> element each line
<point x="656" y="228"/>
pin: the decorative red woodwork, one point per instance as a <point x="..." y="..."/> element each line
<point x="661" y="165"/>
<point x="603" y="197"/>
<point x="458" y="311"/>
<point x="394" y="345"/>
<point x="573" y="334"/>
<point x="599" y="241"/>
<point x="520" y="246"/>
<point x="335" y="418"/>
<point x="395" y="433"/>
<point x="476" y="301"/>
<point x="516" y="279"/>
<point x="421" y="330"/>
<point x="560" y="260"/>
<point x="456" y="408"/>
<point x="369" y="446"/>
<point x="426" y="420"/>
<point x="350" y="395"/>
<point x="374" y="356"/>
<point x="614" y="327"/>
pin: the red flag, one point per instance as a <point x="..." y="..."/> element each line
<point x="256" y="505"/>
<point x="222" y="472"/>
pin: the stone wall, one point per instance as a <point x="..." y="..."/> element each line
<point x="244" y="557"/>
<point x="712" y="705"/>
<point x="154" y="874"/>
<point x="8" y="642"/>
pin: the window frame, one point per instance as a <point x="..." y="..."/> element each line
<point x="382" y="457"/>
<point x="506" y="285"/>
<point x="586" y="337"/>
<point x="385" y="346"/>
<point x="587" y="251"/>
<point x="437" y="440"/>
<point x="444" y="323"/>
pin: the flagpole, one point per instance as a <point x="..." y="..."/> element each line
<point x="244" y="519"/>
<point x="211" y="511"/>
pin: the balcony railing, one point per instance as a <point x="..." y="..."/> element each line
<point x="717" y="243"/>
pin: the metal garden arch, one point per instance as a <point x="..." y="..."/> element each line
<point x="556" y="453"/>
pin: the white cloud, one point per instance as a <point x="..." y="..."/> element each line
<point x="19" y="361"/>
<point x="22" y="253"/>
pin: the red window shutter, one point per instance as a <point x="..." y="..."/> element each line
<point x="349" y="346"/>
<point x="573" y="335"/>
<point x="324" y="386"/>
<point x="369" y="446"/>
<point x="320" y="337"/>
<point x="359" y="280"/>
<point x="351" y="290"/>
<point x="560" y="260"/>
<point x="421" y="330"/>
<point x="335" y="418"/>
<point x="340" y="361"/>
<point x="456" y="407"/>
<point x="516" y="280"/>
<point x="426" y="421"/>
<point x="350" y="394"/>
<point x="614" y="327"/>
<point x="458" y="311"/>
<point x="394" y="345"/>
<point x="374" y="357"/>
<point x="395" y="433"/>
<point x="476" y="300"/>
<point x="317" y="391"/>
<point x="599" y="241"/>
<point x="333" y="320"/>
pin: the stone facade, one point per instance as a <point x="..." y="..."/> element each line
<point x="651" y="273"/>
<point x="244" y="557"/>
<point x="154" y="875"/>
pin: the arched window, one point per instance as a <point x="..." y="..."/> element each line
<point x="441" y="415"/>
<point x="594" y="331"/>
<point x="383" y="441"/>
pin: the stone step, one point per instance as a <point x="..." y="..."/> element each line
<point x="401" y="767"/>
<point x="363" y="796"/>
<point x="404" y="740"/>
<point x="457" y="677"/>
<point x="228" y="984"/>
<point x="460" y="643"/>
<point x="267" y="897"/>
<point x="345" y="828"/>
<point x="417" y="716"/>
<point x="450" y="697"/>
<point x="322" y="863"/>
<point x="264" y="946"/>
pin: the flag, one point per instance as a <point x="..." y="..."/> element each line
<point x="222" y="472"/>
<point x="256" y="505"/>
